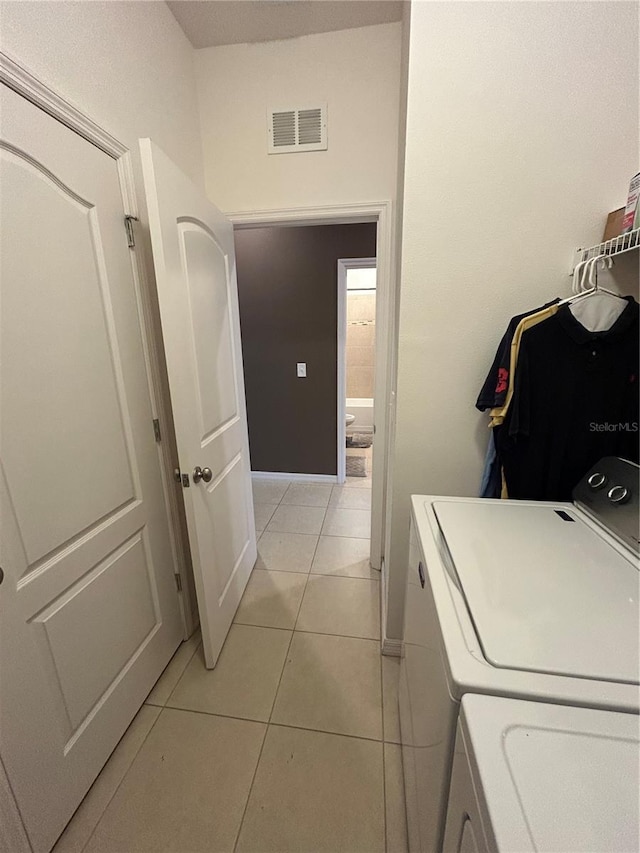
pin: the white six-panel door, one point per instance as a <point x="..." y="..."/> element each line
<point x="194" y="257"/>
<point x="88" y="608"/>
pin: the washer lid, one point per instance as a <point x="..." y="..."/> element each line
<point x="552" y="777"/>
<point x="546" y="592"/>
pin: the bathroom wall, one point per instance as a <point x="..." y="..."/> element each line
<point x="288" y="289"/>
<point x="360" y="345"/>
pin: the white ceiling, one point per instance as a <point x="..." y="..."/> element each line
<point x="208" y="23"/>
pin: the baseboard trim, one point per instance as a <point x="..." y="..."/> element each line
<point x="391" y="648"/>
<point x="295" y="478"/>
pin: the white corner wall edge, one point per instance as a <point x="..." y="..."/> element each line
<point x="295" y="478"/>
<point x="388" y="646"/>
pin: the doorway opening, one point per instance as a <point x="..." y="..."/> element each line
<point x="292" y="331"/>
<point x="356" y="368"/>
<point x="380" y="214"/>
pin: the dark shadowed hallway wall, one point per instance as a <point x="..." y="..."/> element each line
<point x="287" y="283"/>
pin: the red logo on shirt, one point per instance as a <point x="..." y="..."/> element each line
<point x="503" y="375"/>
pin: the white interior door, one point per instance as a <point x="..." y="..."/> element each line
<point x="88" y="607"/>
<point x="194" y="257"/>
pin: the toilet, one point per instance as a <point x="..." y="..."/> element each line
<point x="350" y="419"/>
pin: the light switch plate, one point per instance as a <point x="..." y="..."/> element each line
<point x="302" y="368"/>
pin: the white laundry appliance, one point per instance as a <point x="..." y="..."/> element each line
<point x="530" y="600"/>
<point x="528" y="776"/>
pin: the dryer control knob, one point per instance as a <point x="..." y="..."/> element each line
<point x="596" y="481"/>
<point x="618" y="494"/>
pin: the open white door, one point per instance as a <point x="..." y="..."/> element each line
<point x="194" y="258"/>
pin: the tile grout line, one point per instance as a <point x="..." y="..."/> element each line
<point x="304" y="591"/>
<point x="270" y="723"/>
<point x="384" y="757"/>
<point x="327" y="535"/>
<point x="339" y="636"/>
<point x="264" y="738"/>
<point x="137" y="752"/>
<point x="312" y="506"/>
<point x="191" y="656"/>
<point x="321" y="574"/>
<point x="307" y="631"/>
<point x="325" y="732"/>
<point x="275" y="696"/>
<point x="266" y="728"/>
<point x="124" y="776"/>
<point x="330" y="575"/>
<point x="253" y="778"/>
<point x="165" y="705"/>
<point x="278" y="725"/>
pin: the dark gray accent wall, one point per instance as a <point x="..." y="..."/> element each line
<point x="287" y="284"/>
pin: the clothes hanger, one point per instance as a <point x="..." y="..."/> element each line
<point x="583" y="274"/>
<point x="576" y="283"/>
<point x="595" y="307"/>
<point x="607" y="263"/>
<point x="589" y="272"/>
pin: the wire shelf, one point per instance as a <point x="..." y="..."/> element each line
<point x="616" y="246"/>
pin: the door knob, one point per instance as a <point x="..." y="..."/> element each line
<point x="597" y="480"/>
<point x="618" y="495"/>
<point x="202" y="474"/>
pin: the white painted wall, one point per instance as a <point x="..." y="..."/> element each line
<point x="357" y="72"/>
<point x="522" y="134"/>
<point x="128" y="65"/>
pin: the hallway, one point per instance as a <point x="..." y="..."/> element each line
<point x="291" y="745"/>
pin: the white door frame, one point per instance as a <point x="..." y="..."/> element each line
<point x="22" y="81"/>
<point x="345" y="264"/>
<point x="379" y="212"/>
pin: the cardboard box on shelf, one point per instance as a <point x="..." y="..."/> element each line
<point x="630" y="220"/>
<point x="613" y="228"/>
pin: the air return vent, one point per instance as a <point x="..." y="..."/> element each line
<point x="297" y="129"/>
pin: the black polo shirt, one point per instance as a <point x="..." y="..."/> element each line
<point x="575" y="400"/>
<point x="494" y="390"/>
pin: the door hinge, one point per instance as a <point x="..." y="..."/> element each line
<point x="178" y="581"/>
<point x="156" y="429"/>
<point x="128" y="225"/>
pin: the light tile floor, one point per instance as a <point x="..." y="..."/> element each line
<point x="291" y="745"/>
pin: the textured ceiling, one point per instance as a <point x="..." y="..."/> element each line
<point x="208" y="23"/>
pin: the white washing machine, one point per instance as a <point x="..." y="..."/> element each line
<point x="529" y="777"/>
<point x="531" y="600"/>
